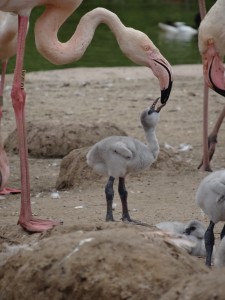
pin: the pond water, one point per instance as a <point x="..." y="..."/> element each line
<point x="144" y="15"/>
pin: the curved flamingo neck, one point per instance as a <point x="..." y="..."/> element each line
<point x="50" y="21"/>
<point x="202" y="8"/>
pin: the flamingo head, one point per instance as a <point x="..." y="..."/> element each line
<point x="150" y="116"/>
<point x="140" y="49"/>
<point x="213" y="68"/>
<point x="195" y="228"/>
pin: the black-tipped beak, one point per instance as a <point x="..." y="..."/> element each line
<point x="215" y="88"/>
<point x="166" y="93"/>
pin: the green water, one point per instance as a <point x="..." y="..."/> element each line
<point x="143" y="15"/>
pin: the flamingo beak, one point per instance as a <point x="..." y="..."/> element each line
<point x="213" y="76"/>
<point x="214" y="69"/>
<point x="164" y="74"/>
<point x="165" y="93"/>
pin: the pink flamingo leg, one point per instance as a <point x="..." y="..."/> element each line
<point x="4" y="65"/>
<point x="18" y="94"/>
<point x="212" y="140"/>
<point x="5" y="190"/>
<point x="204" y="165"/>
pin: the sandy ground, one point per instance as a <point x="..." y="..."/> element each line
<point x="116" y="262"/>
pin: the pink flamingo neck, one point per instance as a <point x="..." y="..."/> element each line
<point x="202" y="8"/>
<point x="205" y="163"/>
<point x="62" y="53"/>
<point x="205" y="166"/>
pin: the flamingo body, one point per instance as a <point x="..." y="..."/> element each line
<point x="8" y="35"/>
<point x="117" y="156"/>
<point x="212" y="28"/>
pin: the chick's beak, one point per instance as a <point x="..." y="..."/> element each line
<point x="187" y="231"/>
<point x="156" y="109"/>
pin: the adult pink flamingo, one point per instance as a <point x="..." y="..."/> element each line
<point x="135" y="44"/>
<point x="8" y="39"/>
<point x="212" y="48"/>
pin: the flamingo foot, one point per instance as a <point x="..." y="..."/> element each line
<point x="212" y="141"/>
<point x="135" y="222"/>
<point x="109" y="217"/>
<point x="204" y="167"/>
<point x="38" y="225"/>
<point x="127" y="219"/>
<point x="7" y="191"/>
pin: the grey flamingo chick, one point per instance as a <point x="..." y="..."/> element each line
<point x="193" y="231"/>
<point x="171" y="226"/>
<point x="118" y="156"/>
<point x="210" y="197"/>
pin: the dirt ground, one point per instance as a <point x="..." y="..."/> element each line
<point x="86" y="257"/>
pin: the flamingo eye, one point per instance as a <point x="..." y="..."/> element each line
<point x="147" y="47"/>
